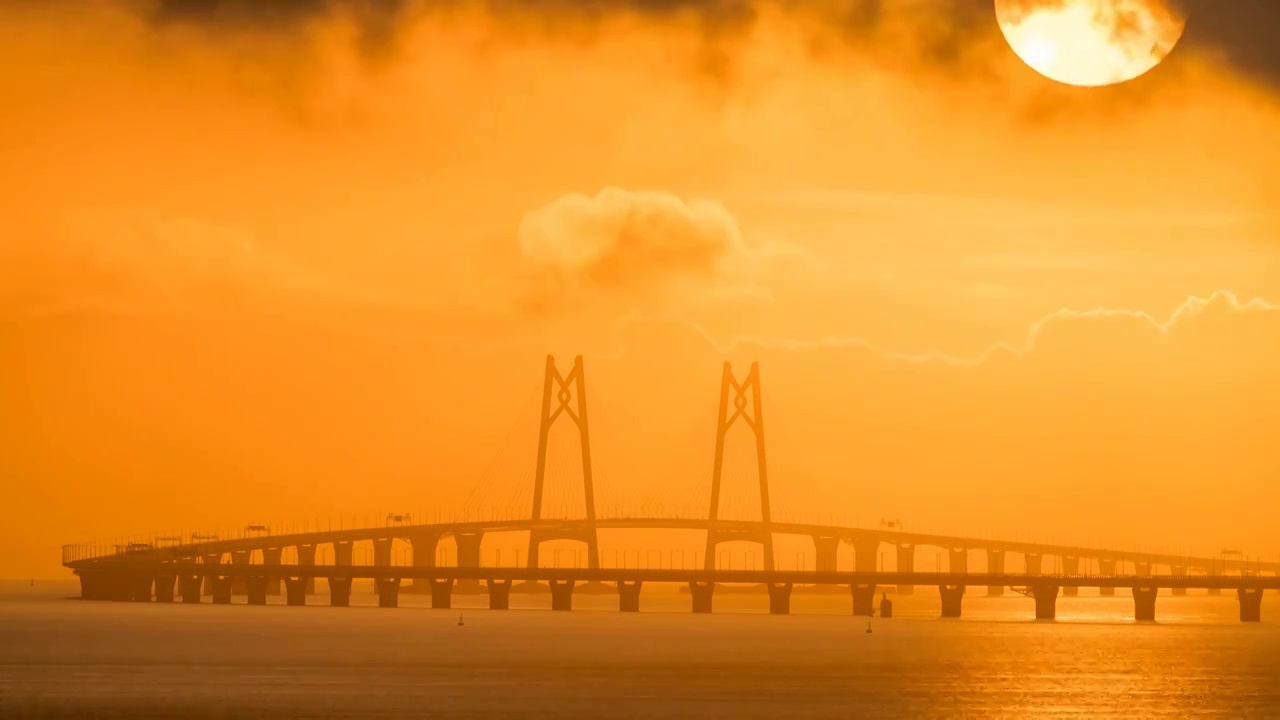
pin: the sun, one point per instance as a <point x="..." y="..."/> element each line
<point x="1091" y="42"/>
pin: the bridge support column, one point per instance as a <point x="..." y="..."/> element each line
<point x="825" y="553"/>
<point x="1107" y="568"/>
<point x="864" y="554"/>
<point x="702" y="592"/>
<point x="423" y="552"/>
<point x="295" y="590"/>
<point x="340" y="589"/>
<point x="863" y="599"/>
<point x="307" y="558"/>
<point x="141" y="588"/>
<point x="388" y="592"/>
<point x="382" y="552"/>
<point x="951" y="597"/>
<point x="189" y="586"/>
<point x="210" y="559"/>
<point x="1046" y="597"/>
<point x="469" y="557"/>
<point x="1144" y="604"/>
<point x="1034" y="563"/>
<point x="1215" y="571"/>
<point x="165" y="588"/>
<point x="1250" y="604"/>
<point x="222" y="590"/>
<point x="561" y="594"/>
<point x="906" y="564"/>
<point x="441" y="593"/>
<point x="1070" y="566"/>
<point x="342" y="553"/>
<point x="629" y="596"/>
<point x="958" y="560"/>
<point x="93" y="585"/>
<point x="239" y="557"/>
<point x="1178" y="571"/>
<point x="995" y="566"/>
<point x="271" y="556"/>
<point x="256" y="589"/>
<point x="779" y="598"/>
<point x="499" y="594"/>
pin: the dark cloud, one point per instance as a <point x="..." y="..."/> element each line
<point x="1246" y="32"/>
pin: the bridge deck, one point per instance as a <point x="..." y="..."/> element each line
<point x="796" y="577"/>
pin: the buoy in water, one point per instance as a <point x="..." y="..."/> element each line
<point x="459" y="621"/>
<point x="868" y="627"/>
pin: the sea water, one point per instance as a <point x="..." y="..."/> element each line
<point x="62" y="657"/>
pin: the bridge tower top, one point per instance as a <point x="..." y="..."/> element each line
<point x="564" y="395"/>
<point x="740" y="402"/>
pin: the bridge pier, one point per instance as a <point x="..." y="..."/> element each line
<point x="1214" y="571"/>
<point x="825" y="552"/>
<point x="864" y="554"/>
<point x="307" y="558"/>
<point x="1034" y="563"/>
<point x="1144" y="603"/>
<point x="958" y="560"/>
<point x="864" y="597"/>
<point x="995" y="566"/>
<point x="779" y="598"/>
<point x="469" y="557"/>
<point x="702" y="592"/>
<point x="1107" y="568"/>
<point x="441" y="593"/>
<point x="1046" y="597"/>
<point x="382" y="551"/>
<point x="165" y="588"/>
<point x="271" y="556"/>
<point x="342" y="552"/>
<point x="239" y="557"/>
<point x="340" y="590"/>
<point x="499" y="594"/>
<point x="210" y="559"/>
<point x="140" y="588"/>
<point x="629" y="596"/>
<point x="1178" y="571"/>
<point x="1250" y="604"/>
<point x="951" y="597"/>
<point x="388" y="592"/>
<point x="1070" y="566"/>
<point x="222" y="590"/>
<point x="189" y="587"/>
<point x="256" y="589"/>
<point x="906" y="563"/>
<point x="561" y="594"/>
<point x="295" y="590"/>
<point x="423" y="552"/>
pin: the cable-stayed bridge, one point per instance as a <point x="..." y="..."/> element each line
<point x="534" y="505"/>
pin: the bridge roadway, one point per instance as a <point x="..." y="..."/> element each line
<point x="866" y="543"/>
<point x="134" y="579"/>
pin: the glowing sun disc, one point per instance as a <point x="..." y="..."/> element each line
<point x="1091" y="42"/>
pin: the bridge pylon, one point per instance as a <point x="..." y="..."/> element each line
<point x="564" y="396"/>
<point x="740" y="401"/>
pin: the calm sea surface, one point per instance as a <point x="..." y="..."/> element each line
<point x="68" y="658"/>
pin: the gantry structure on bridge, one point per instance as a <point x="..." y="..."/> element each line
<point x="257" y="565"/>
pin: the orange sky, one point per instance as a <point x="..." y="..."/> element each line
<point x="273" y="275"/>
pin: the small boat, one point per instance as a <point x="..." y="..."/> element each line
<point x="868" y="627"/>
<point x="459" y="621"/>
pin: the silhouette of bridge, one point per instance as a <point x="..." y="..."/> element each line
<point x="168" y="567"/>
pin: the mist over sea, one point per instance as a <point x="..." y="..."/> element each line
<point x="74" y="659"/>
